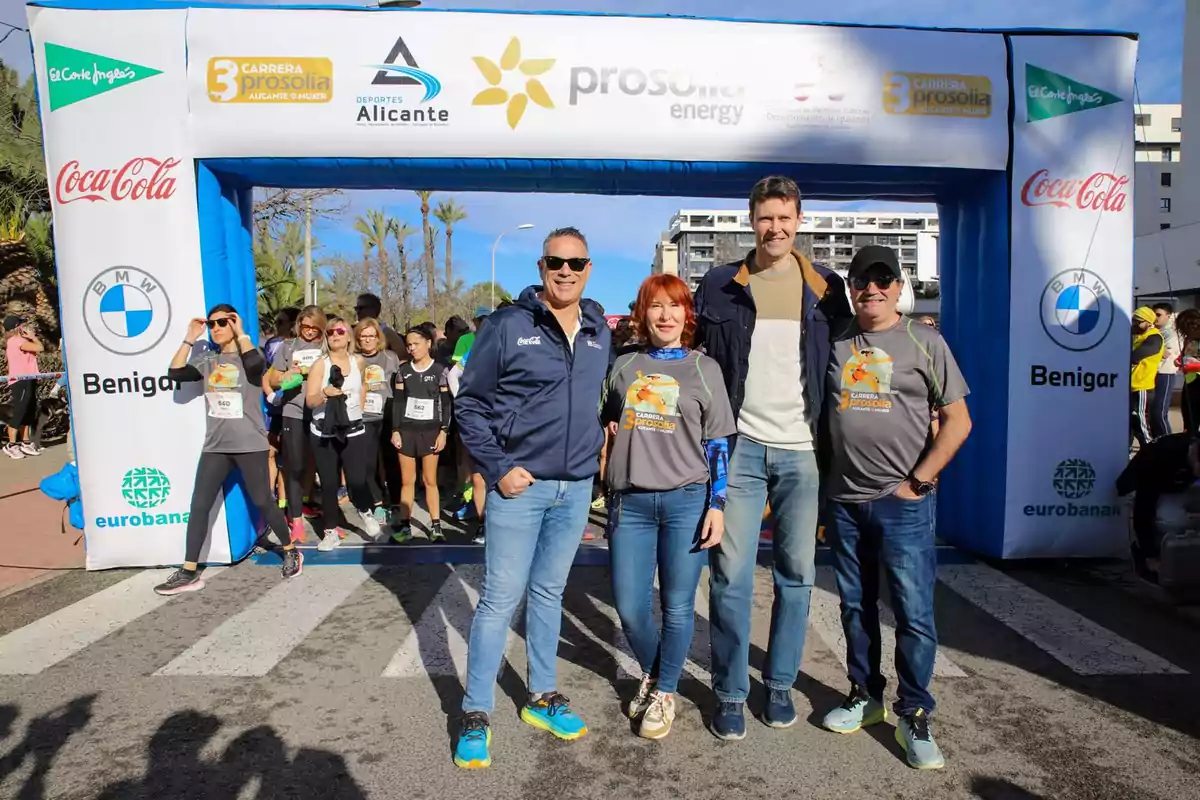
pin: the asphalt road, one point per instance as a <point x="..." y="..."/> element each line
<point x="338" y="684"/>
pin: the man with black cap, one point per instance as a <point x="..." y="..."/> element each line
<point x="886" y="373"/>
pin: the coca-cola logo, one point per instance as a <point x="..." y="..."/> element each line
<point x="138" y="179"/>
<point x="1100" y="191"/>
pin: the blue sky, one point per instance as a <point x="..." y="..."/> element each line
<point x="623" y="231"/>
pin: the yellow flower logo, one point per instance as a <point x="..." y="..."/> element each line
<point x="497" y="95"/>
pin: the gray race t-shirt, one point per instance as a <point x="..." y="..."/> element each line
<point x="295" y="353"/>
<point x="381" y="369"/>
<point x="665" y="410"/>
<point x="882" y="386"/>
<point x="233" y="405"/>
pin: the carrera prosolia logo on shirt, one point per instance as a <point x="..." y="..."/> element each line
<point x="652" y="403"/>
<point x="866" y="380"/>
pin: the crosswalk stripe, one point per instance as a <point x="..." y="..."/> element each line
<point x="253" y="641"/>
<point x="825" y="617"/>
<point x="627" y="665"/>
<point x="437" y="644"/>
<point x="54" y="637"/>
<point x="1071" y="638"/>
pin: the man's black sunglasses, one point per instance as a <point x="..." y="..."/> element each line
<point x="555" y="263"/>
<point x="861" y="282"/>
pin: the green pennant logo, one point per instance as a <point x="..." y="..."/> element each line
<point x="1048" y="94"/>
<point x="76" y="75"/>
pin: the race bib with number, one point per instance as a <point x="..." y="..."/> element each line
<point x="224" y="405"/>
<point x="304" y="359"/>
<point x="374" y="404"/>
<point x="419" y="409"/>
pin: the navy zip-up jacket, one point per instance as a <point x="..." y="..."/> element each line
<point x="526" y="400"/>
<point x="725" y="317"/>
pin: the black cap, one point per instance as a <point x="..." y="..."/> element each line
<point x="12" y="321"/>
<point x="871" y="255"/>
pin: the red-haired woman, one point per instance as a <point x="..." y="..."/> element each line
<point x="669" y="420"/>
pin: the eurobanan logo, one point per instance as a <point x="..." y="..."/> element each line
<point x="1074" y="479"/>
<point x="144" y="488"/>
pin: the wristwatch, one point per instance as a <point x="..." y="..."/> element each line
<point x="922" y="488"/>
<point x="718" y="503"/>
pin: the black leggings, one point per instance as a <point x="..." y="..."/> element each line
<point x="335" y="456"/>
<point x="211" y="472"/>
<point x="379" y="432"/>
<point x="294" y="447"/>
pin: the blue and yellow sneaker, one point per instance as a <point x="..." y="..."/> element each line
<point x="913" y="735"/>
<point x="552" y="712"/>
<point x="474" y="741"/>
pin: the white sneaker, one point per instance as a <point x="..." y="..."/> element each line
<point x="13" y="451"/>
<point x="330" y="540"/>
<point x="370" y="524"/>
<point x="30" y="449"/>
<point x="658" y="718"/>
<point x="641" y="700"/>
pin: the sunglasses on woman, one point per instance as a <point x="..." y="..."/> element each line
<point x="218" y="323"/>
<point x="555" y="263"/>
<point x="336" y="332"/>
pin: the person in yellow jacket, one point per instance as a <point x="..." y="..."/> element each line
<point x="1148" y="346"/>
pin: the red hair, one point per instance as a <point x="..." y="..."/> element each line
<point x="677" y="291"/>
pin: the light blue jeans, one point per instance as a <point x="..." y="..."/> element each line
<point x="789" y="480"/>
<point x="531" y="544"/>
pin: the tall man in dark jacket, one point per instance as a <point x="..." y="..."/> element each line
<point x="766" y="320"/>
<point x="528" y="412"/>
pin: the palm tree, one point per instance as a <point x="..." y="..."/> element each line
<point x="277" y="271"/>
<point x="402" y="230"/>
<point x="375" y="228"/>
<point x="450" y="214"/>
<point x="430" y="278"/>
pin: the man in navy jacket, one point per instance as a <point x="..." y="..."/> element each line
<point x="528" y="411"/>
<point x="766" y="321"/>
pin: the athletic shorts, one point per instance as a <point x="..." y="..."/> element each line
<point x="416" y="442"/>
<point x="23" y="406"/>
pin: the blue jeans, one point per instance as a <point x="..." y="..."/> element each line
<point x="789" y="480"/>
<point x="531" y="543"/>
<point x="897" y="534"/>
<point x="659" y="529"/>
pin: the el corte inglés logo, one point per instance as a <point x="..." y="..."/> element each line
<point x="74" y="75"/>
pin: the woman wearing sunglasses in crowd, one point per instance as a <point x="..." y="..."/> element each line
<point x="291" y="366"/>
<point x="420" y="422"/>
<point x="382" y="365"/>
<point x="235" y="436"/>
<point x="668" y="421"/>
<point x="344" y="451"/>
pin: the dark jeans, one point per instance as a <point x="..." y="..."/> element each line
<point x="1189" y="404"/>
<point x="896" y="535"/>
<point x="1160" y="405"/>
<point x="335" y="456"/>
<point x="659" y="529"/>
<point x="210" y="474"/>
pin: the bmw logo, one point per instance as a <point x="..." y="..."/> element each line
<point x="1077" y="309"/>
<point x="126" y="310"/>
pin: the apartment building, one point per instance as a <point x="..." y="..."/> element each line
<point x="1157" y="136"/>
<point x="704" y="238"/>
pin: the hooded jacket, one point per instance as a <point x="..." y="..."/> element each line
<point x="527" y="400"/>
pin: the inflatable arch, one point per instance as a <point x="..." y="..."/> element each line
<point x="160" y="117"/>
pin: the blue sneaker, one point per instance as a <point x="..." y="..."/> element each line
<point x="729" y="723"/>
<point x="474" y="741"/>
<point x="552" y="712"/>
<point x="913" y="735"/>
<point x="780" y="711"/>
<point x="857" y="711"/>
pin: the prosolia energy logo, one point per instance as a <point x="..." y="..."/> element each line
<point x="144" y="488"/>
<point x="270" y="79"/>
<point x="379" y="108"/>
<point x="1074" y="479"/>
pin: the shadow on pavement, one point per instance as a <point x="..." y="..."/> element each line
<point x="999" y="789"/>
<point x="44" y="737"/>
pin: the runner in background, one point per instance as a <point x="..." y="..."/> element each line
<point x="1146" y="355"/>
<point x="474" y="491"/>
<point x="288" y="371"/>
<point x="335" y="391"/>
<point x="21" y="348"/>
<point x="456" y="328"/>
<point x="285" y="328"/>
<point x="1164" y="381"/>
<point x="234" y="436"/>
<point x="382" y="365"/>
<point x="369" y="306"/>
<point x="420" y="424"/>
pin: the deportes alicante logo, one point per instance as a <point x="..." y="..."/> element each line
<point x="1073" y="479"/>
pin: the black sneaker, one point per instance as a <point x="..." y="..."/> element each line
<point x="435" y="532"/>
<point x="479" y="533"/>
<point x="182" y="580"/>
<point x="293" y="562"/>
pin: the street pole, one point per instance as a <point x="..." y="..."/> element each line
<point x="309" y="290"/>
<point x="494" y="244"/>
